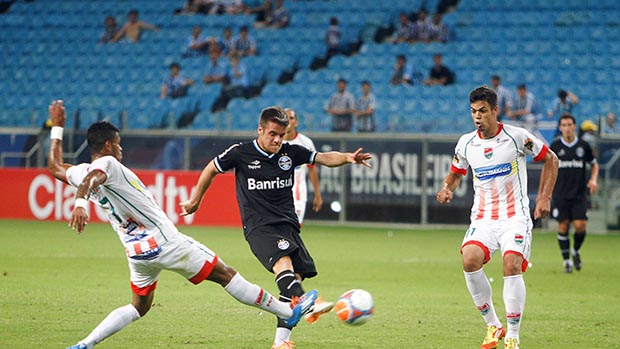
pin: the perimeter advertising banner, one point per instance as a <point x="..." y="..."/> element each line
<point x="35" y="194"/>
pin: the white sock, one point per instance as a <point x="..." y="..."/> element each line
<point x="114" y="322"/>
<point x="251" y="294"/>
<point x="514" y="299"/>
<point x="283" y="334"/>
<point x="480" y="290"/>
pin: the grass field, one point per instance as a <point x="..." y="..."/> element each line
<point x="56" y="286"/>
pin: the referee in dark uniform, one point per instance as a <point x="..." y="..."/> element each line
<point x="569" y="201"/>
<point x="264" y="174"/>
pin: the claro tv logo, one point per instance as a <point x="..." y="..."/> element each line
<point x="49" y="198"/>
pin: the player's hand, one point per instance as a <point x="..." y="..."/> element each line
<point x="57" y="113"/>
<point x="543" y="207"/>
<point x="360" y="158"/>
<point x="317" y="203"/>
<point x="188" y="208"/>
<point x="445" y="195"/>
<point x="593" y="186"/>
<point x="79" y="219"/>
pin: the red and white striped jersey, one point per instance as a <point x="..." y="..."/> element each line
<point x="300" y="186"/>
<point x="499" y="170"/>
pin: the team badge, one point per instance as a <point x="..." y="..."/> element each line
<point x="529" y="144"/>
<point x="283" y="244"/>
<point x="519" y="239"/>
<point x="285" y="163"/>
<point x="455" y="159"/>
<point x="579" y="152"/>
<point x="488" y="152"/>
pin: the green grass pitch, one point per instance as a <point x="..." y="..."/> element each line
<point x="55" y="286"/>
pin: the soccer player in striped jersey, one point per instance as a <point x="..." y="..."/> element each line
<point x="500" y="215"/>
<point x="151" y="240"/>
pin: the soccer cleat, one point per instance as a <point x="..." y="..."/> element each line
<point x="494" y="334"/>
<point x="285" y="345"/>
<point x="301" y="306"/>
<point x="78" y="346"/>
<point x="576" y="260"/>
<point x="320" y="308"/>
<point x="511" y="343"/>
<point x="568" y="267"/>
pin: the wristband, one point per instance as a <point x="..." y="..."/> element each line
<point x="79" y="202"/>
<point x="56" y="133"/>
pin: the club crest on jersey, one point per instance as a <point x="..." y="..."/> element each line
<point x="579" y="152"/>
<point x="488" y="152"/>
<point x="519" y="239"/>
<point x="283" y="244"/>
<point x="285" y="163"/>
<point x="529" y="144"/>
<point x="455" y="159"/>
<point x="254" y="165"/>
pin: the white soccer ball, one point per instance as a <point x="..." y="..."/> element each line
<point x="355" y="307"/>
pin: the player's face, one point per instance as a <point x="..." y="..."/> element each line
<point x="567" y="128"/>
<point x="292" y="120"/>
<point x="484" y="117"/>
<point x="115" y="148"/>
<point x="271" y="136"/>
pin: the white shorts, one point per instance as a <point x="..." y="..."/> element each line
<point x="300" y="210"/>
<point x="512" y="235"/>
<point x="184" y="255"/>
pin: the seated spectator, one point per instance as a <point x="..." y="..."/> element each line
<point x="438" y="31"/>
<point x="365" y="109"/>
<point x="175" y="85"/>
<point x="527" y="109"/>
<point x="562" y="105"/>
<point x="132" y="30"/>
<point x="231" y="7"/>
<point x="111" y="28"/>
<point x="216" y="70"/>
<point x="439" y="74"/>
<point x="404" y="74"/>
<point x="341" y="106"/>
<point x="611" y="124"/>
<point x="225" y="44"/>
<point x="192" y="7"/>
<point x="280" y="17"/>
<point x="244" y="44"/>
<point x="504" y="97"/>
<point x="237" y="81"/>
<point x="332" y="38"/>
<point x="197" y="45"/>
<point x="404" y="33"/>
<point x="421" y="28"/>
<point x="262" y="11"/>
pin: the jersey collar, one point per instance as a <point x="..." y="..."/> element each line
<point x="500" y="127"/>
<point x="264" y="153"/>
<point x="571" y="144"/>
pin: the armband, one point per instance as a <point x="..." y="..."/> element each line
<point x="80" y="202"/>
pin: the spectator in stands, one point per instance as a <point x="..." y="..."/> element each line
<point x="237" y="82"/>
<point x="504" y="97"/>
<point x="262" y="11"/>
<point x="280" y="17"/>
<point x="333" y="38"/>
<point x="231" y="7"/>
<point x="341" y="106"/>
<point x="110" y="30"/>
<point x="216" y="70"/>
<point x="405" y="30"/>
<point x="197" y="45"/>
<point x="562" y="105"/>
<point x="438" y="30"/>
<point x="611" y="124"/>
<point x="365" y="109"/>
<point x="589" y="133"/>
<point x="132" y="30"/>
<point x="195" y="7"/>
<point x="439" y="74"/>
<point x="175" y="85"/>
<point x="527" y="110"/>
<point x="226" y="42"/>
<point x="244" y="44"/>
<point x="421" y="27"/>
<point x="404" y="74"/>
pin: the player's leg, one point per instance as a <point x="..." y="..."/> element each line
<point x="289" y="285"/>
<point x="580" y="219"/>
<point x="514" y="293"/>
<point x="561" y="214"/>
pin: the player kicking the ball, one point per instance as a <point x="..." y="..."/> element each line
<point x="264" y="174"/>
<point x="500" y="215"/>
<point x="151" y="240"/>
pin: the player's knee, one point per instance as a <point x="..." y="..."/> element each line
<point x="472" y="263"/>
<point x="512" y="264"/>
<point x="142" y="308"/>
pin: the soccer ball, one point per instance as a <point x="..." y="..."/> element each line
<point x="355" y="307"/>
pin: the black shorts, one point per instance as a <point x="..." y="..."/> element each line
<point x="272" y="242"/>
<point x="569" y="209"/>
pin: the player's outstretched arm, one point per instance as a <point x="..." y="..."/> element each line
<point x="79" y="217"/>
<point x="547" y="182"/>
<point x="313" y="176"/>
<point x="450" y="184"/>
<point x="55" y="163"/>
<point x="335" y="158"/>
<point x="204" y="182"/>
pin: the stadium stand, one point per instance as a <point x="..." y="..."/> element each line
<point x="50" y="50"/>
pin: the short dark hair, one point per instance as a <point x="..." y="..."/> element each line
<point x="175" y="65"/>
<point x="567" y="116"/>
<point x="243" y="28"/>
<point x="333" y="21"/>
<point x="99" y="133"/>
<point x="562" y="94"/>
<point x="366" y="82"/>
<point x="401" y="56"/>
<point x="133" y="11"/>
<point x="342" y="80"/>
<point x="273" y="114"/>
<point x="483" y="93"/>
<point x="496" y="77"/>
<point x="521" y="87"/>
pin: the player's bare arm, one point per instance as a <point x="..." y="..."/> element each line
<point x="334" y="158"/>
<point x="593" y="182"/>
<point x="55" y="163"/>
<point x="79" y="217"/>
<point x="450" y="184"/>
<point x="313" y="176"/>
<point x="547" y="181"/>
<point x="204" y="182"/>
